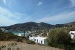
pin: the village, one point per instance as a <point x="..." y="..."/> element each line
<point x="36" y="37"/>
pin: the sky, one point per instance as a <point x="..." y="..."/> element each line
<point x="48" y="11"/>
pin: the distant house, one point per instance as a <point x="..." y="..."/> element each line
<point x="27" y="34"/>
<point x="4" y="30"/>
<point x="72" y="33"/>
<point x="40" y="40"/>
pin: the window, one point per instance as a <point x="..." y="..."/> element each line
<point x="41" y="42"/>
<point x="37" y="40"/>
<point x="44" y="41"/>
<point x="34" y="39"/>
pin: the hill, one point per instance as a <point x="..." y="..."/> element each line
<point x="30" y="26"/>
<point x="11" y="37"/>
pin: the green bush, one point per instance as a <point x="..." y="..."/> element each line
<point x="9" y="36"/>
<point x="59" y="37"/>
<point x="19" y="40"/>
<point x="8" y="48"/>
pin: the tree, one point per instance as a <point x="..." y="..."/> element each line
<point x="58" y="36"/>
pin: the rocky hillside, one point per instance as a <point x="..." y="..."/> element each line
<point x="37" y="26"/>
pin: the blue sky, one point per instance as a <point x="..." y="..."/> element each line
<point x="48" y="11"/>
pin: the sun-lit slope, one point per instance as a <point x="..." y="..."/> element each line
<point x="10" y="37"/>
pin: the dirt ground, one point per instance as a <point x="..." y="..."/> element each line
<point x="24" y="46"/>
<point x="5" y="42"/>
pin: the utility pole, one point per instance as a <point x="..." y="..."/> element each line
<point x="24" y="33"/>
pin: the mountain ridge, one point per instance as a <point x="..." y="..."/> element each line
<point x="28" y="26"/>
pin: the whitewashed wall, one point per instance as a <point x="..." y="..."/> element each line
<point x="72" y="34"/>
<point x="41" y="40"/>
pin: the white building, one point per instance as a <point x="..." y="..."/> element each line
<point x="4" y="30"/>
<point x="40" y="40"/>
<point x="72" y="33"/>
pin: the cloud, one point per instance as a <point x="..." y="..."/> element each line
<point x="8" y="3"/>
<point x="6" y="17"/>
<point x="61" y="18"/>
<point x="73" y="2"/>
<point x="5" y="1"/>
<point x="39" y="3"/>
<point x="9" y="18"/>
